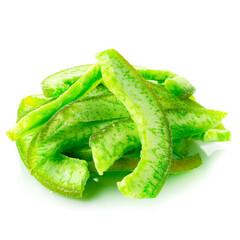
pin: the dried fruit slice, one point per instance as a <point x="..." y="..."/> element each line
<point x="112" y="142"/>
<point x="56" y="84"/>
<point x="179" y="86"/>
<point x="39" y="116"/>
<point x="129" y="163"/>
<point x="146" y="111"/>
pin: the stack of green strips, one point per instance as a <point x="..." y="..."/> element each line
<point x="112" y="116"/>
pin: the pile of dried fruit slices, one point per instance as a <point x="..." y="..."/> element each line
<point x="112" y="116"/>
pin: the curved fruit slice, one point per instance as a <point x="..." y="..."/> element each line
<point x="156" y="75"/>
<point x="186" y="164"/>
<point x="92" y="109"/>
<point x="56" y="84"/>
<point x="168" y="100"/>
<point x="179" y="86"/>
<point x="214" y="135"/>
<point x="144" y="107"/>
<point x="193" y="121"/>
<point x="57" y="172"/>
<point x="60" y="173"/>
<point x="27" y="105"/>
<point x="39" y="116"/>
<point x="23" y="145"/>
<point x="128" y="164"/>
<point x="70" y="128"/>
<point x="32" y="102"/>
<point x="112" y="142"/>
<point x="106" y="107"/>
<point x="217" y="134"/>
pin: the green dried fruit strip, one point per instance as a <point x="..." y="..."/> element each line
<point x="185" y="122"/>
<point x="56" y="84"/>
<point x="92" y="109"/>
<point x="39" y="116"/>
<point x="144" y="107"/>
<point x="170" y="101"/>
<point x="214" y="135"/>
<point x="64" y="175"/>
<point x="186" y="164"/>
<point x="69" y="119"/>
<point x="27" y="105"/>
<point x="112" y="142"/>
<point x="57" y="172"/>
<point x="217" y="134"/>
<point x="23" y="145"/>
<point x="100" y="105"/>
<point x="70" y="128"/>
<point x="180" y="87"/>
<point x="32" y="102"/>
<point x="78" y="106"/>
<point x="45" y="160"/>
<point x="108" y="105"/>
<point x="157" y="75"/>
<point x="129" y="164"/>
<point x="160" y="91"/>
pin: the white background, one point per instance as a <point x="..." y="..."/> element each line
<point x="196" y="39"/>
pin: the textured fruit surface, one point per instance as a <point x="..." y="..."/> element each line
<point x="56" y="84"/>
<point x="70" y="128"/>
<point x="129" y="163"/>
<point x="146" y="111"/>
<point x="51" y="172"/>
<point x="180" y="87"/>
<point x="111" y="117"/>
<point x="112" y="142"/>
<point x="216" y="135"/>
<point x="39" y="116"/>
